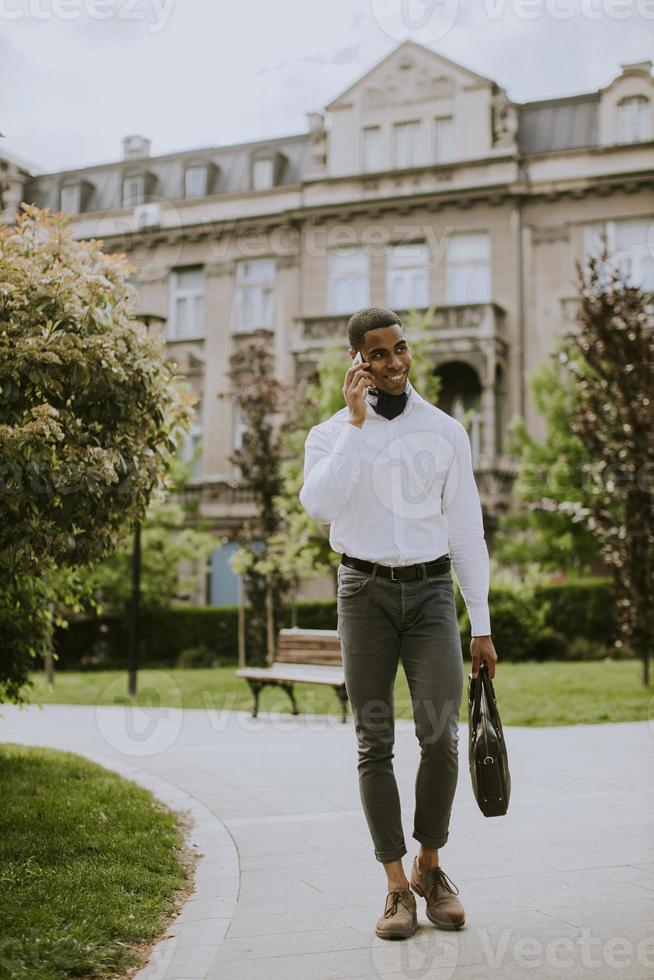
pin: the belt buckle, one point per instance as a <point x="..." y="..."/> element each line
<point x="393" y="579"/>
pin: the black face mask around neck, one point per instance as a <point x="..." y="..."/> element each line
<point x="390" y="406"/>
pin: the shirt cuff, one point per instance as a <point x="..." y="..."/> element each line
<point x="348" y="441"/>
<point x="479" y="621"/>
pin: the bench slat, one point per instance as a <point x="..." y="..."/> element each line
<point x="310" y="675"/>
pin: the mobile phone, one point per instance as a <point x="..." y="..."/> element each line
<point x="358" y="359"/>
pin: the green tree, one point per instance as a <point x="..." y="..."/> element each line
<point x="547" y="528"/>
<point x="612" y="362"/>
<point x="173" y="538"/>
<point x="89" y="419"/>
<point x="259" y="397"/>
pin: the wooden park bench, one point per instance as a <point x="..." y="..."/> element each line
<point x="302" y="657"/>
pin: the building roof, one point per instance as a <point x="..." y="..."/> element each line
<point x="550" y="125"/>
<point x="230" y="172"/>
<point x="558" y="124"/>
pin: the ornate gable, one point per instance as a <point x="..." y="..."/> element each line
<point x="411" y="74"/>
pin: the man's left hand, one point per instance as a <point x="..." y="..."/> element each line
<point x="481" y="648"/>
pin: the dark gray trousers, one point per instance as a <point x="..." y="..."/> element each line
<point x="381" y="622"/>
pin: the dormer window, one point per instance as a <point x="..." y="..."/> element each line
<point x="267" y="165"/>
<point x="133" y="191"/>
<point x="195" y="181"/>
<point x="74" y="194"/>
<point x="263" y="174"/>
<point x="634" y="119"/>
<point x="70" y="198"/>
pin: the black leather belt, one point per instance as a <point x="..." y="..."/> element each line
<point x="401" y="573"/>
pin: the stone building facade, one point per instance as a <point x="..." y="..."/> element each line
<point x="421" y="186"/>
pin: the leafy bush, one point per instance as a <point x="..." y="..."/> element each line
<point x="580" y="607"/>
<point x="548" y="625"/>
<point x="550" y="645"/>
<point x="516" y="625"/>
<point x="200" y="656"/>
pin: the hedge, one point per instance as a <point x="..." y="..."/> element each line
<point x="569" y="620"/>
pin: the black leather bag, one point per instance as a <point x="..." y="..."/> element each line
<point x="487" y="755"/>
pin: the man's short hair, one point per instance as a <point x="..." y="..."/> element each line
<point x="369" y="318"/>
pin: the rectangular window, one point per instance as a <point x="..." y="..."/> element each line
<point x="254" y="300"/>
<point x="371" y="149"/>
<point x="186" y="319"/>
<point x="406" y="276"/>
<point x="195" y="182"/>
<point x="192" y="446"/>
<point x="71" y="198"/>
<point x="468" y="268"/>
<point x="407" y="144"/>
<point x="239" y="436"/>
<point x="629" y="248"/>
<point x="133" y="191"/>
<point x="263" y="174"/>
<point x="634" y="120"/>
<point x="444" y="139"/>
<point x="348" y="278"/>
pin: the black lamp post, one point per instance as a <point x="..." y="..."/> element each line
<point x="135" y="606"/>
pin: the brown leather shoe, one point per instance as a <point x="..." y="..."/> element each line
<point x="444" y="909"/>
<point x="400" y="918"/>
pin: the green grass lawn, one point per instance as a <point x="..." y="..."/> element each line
<point x="528" y="694"/>
<point x="91" y="867"/>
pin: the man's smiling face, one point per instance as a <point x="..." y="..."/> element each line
<point x="387" y="351"/>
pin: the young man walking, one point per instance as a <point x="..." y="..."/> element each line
<point x="392" y="474"/>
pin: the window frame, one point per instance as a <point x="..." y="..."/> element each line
<point x="354" y="301"/>
<point x="256" y="164"/>
<point x="192" y="439"/>
<point x="452" y="156"/>
<point x="638" y="252"/>
<point x="452" y="286"/>
<point x="643" y="124"/>
<point x="189" y="294"/>
<point x="365" y="162"/>
<point x="408" y="125"/>
<point x="67" y="189"/>
<point x="136" y="178"/>
<point x="266" y="308"/>
<point x="391" y="270"/>
<point x="200" y="168"/>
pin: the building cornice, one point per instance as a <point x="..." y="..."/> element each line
<point x="432" y="200"/>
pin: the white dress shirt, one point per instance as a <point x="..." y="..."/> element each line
<point x="401" y="491"/>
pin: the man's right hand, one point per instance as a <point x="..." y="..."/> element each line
<point x="357" y="380"/>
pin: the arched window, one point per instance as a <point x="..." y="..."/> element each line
<point x="460" y="392"/>
<point x="634" y="119"/>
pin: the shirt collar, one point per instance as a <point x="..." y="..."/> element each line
<point x="411" y="398"/>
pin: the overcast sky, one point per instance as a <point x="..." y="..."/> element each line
<point x="78" y="75"/>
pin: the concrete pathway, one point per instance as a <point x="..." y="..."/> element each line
<point x="288" y="887"/>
